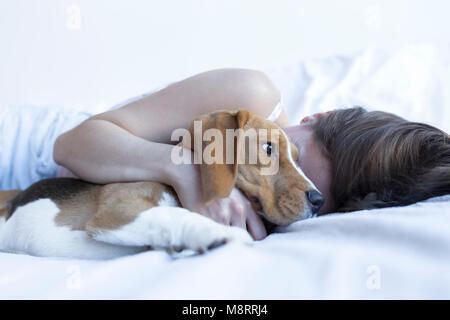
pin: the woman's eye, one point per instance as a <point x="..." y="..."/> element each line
<point x="267" y="147"/>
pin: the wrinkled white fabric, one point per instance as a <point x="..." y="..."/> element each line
<point x="27" y="136"/>
<point x="385" y="253"/>
<point x="412" y="82"/>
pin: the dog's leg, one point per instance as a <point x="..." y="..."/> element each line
<point x="161" y="227"/>
<point x="170" y="228"/>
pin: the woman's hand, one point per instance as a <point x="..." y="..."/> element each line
<point x="235" y="210"/>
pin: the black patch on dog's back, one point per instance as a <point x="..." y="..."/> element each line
<point x="53" y="188"/>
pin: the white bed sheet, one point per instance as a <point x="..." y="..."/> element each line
<point x="413" y="82"/>
<point x="386" y="253"/>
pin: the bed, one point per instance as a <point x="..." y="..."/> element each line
<point x="401" y="252"/>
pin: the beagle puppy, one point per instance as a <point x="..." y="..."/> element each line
<point x="65" y="217"/>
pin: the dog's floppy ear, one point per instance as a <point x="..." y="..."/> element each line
<point x="218" y="177"/>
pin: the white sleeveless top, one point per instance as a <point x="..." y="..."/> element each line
<point x="27" y="136"/>
<point x="276" y="112"/>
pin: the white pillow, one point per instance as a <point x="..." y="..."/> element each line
<point x="409" y="82"/>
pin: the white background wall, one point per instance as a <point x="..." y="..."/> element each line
<point x="118" y="48"/>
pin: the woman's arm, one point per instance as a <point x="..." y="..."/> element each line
<point x="130" y="143"/>
<point x="156" y="116"/>
<point x="133" y="143"/>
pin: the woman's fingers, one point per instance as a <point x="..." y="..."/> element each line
<point x="220" y="211"/>
<point x="238" y="215"/>
<point x="255" y="225"/>
<point x="236" y="211"/>
<point x="244" y="216"/>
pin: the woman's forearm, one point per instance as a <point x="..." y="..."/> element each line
<point x="102" y="152"/>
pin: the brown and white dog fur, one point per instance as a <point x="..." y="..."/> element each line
<point x="64" y="217"/>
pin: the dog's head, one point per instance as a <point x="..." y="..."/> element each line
<point x="244" y="150"/>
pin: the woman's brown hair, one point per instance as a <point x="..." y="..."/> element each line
<point x="379" y="159"/>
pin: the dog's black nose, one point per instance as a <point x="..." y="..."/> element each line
<point x="316" y="200"/>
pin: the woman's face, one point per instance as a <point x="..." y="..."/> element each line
<point x="311" y="160"/>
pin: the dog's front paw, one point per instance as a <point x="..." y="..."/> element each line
<point x="202" y="234"/>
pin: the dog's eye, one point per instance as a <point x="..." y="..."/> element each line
<point x="267" y="147"/>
